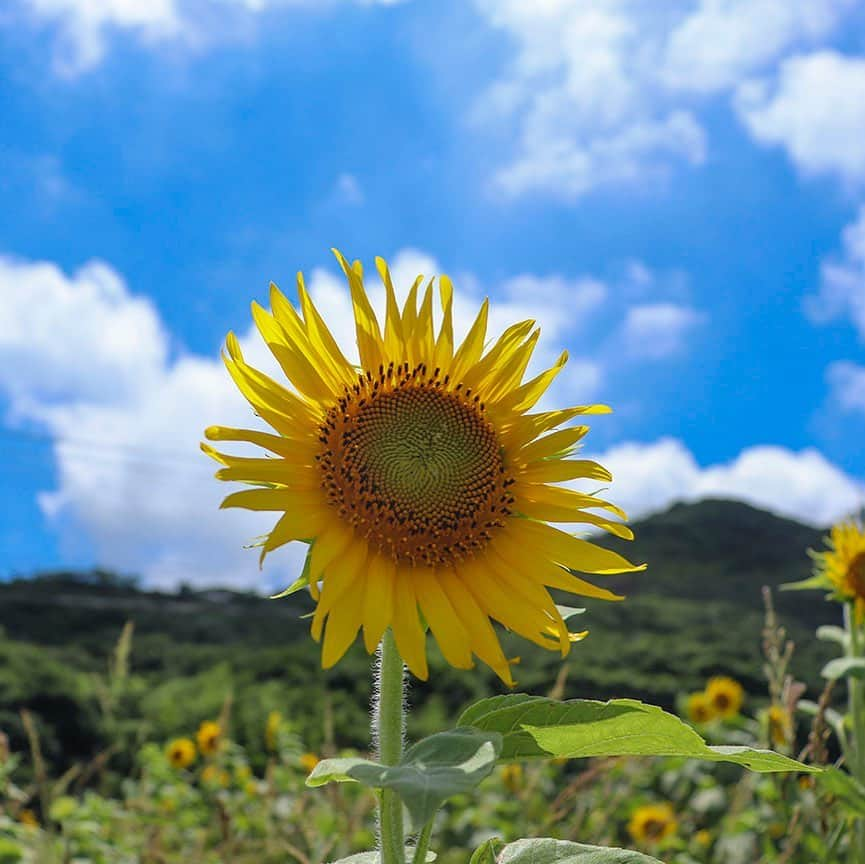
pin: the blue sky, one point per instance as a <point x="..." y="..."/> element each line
<point x="678" y="196"/>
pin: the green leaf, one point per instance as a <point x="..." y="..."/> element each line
<point x="486" y="852"/>
<point x="569" y="611"/>
<point x="845" y="788"/>
<point x="843" y="666"/>
<point x="375" y="857"/>
<point x="830" y="633"/>
<point x="809" y="584"/>
<point x="534" y="727"/>
<point x="300" y="583"/>
<point x="545" y="850"/>
<point x="430" y="772"/>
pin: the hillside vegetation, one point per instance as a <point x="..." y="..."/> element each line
<point x="697" y="611"/>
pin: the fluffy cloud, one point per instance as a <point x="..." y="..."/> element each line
<point x="581" y="94"/>
<point x="607" y="91"/>
<point x="85" y="25"/>
<point x="847" y="386"/>
<point x="93" y="367"/>
<point x="842" y="281"/>
<point x="722" y="41"/>
<point x="802" y="485"/>
<point x="815" y="110"/>
<point x="656" y="330"/>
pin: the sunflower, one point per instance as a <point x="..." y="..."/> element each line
<point x="180" y="752"/>
<point x="652" y="823"/>
<point x="700" y="708"/>
<point x="842" y="565"/>
<point x="780" y="725"/>
<point x="421" y="478"/>
<point x="209" y="737"/>
<point x="272" y="729"/>
<point x="726" y="695"/>
<point x="308" y="761"/>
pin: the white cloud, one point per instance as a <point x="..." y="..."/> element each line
<point x="722" y="41"/>
<point x="656" y="330"/>
<point x="582" y="94"/>
<point x="815" y="110"/>
<point x="803" y="485"/>
<point x="847" y="386"/>
<point x="842" y="281"/>
<point x="607" y="92"/>
<point x="89" y="362"/>
<point x="86" y="26"/>
<point x="82" y="334"/>
<point x="348" y="190"/>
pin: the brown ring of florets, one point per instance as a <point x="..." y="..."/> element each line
<point x="414" y="466"/>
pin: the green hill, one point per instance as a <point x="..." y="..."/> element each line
<point x="696" y="612"/>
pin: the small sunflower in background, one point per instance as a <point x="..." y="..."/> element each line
<point x="423" y="477"/>
<point x="271" y="730"/>
<point x="726" y="695"/>
<point x="28" y="818"/>
<point x="700" y="708"/>
<point x="308" y="761"/>
<point x="779" y="724"/>
<point x="512" y="777"/>
<point x="650" y="824"/>
<point x="180" y="752"/>
<point x="842" y="566"/>
<point x="209" y="737"/>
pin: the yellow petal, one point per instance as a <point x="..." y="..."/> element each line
<point x="483" y="637"/>
<point x="343" y="623"/>
<point x="406" y="626"/>
<point x="472" y="346"/>
<point x="559" y="470"/>
<point x="444" y="350"/>
<point x="394" y="338"/>
<point x="533" y="498"/>
<point x="369" y="341"/>
<point x="443" y="621"/>
<point x="342" y="572"/>
<point x="551" y="445"/>
<point x="378" y="600"/>
<point x="570" y="551"/>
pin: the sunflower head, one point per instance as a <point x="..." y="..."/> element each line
<point x="726" y="696"/>
<point x="209" y="737"/>
<point x="842" y="564"/>
<point x="652" y="823"/>
<point x="700" y="708"/>
<point x="180" y="753"/>
<point x="420" y="475"/>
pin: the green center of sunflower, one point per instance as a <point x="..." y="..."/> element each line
<point x="414" y="466"/>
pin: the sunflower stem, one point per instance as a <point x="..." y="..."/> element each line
<point x="857" y="712"/>
<point x="389" y="718"/>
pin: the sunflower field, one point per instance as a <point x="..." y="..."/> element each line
<point x="427" y="483"/>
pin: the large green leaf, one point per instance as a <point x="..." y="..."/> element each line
<point x="534" y="727"/>
<point x="375" y="857"/>
<point x="545" y="850"/>
<point x="429" y="773"/>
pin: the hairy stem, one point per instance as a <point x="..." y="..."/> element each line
<point x="857" y="712"/>
<point x="389" y="720"/>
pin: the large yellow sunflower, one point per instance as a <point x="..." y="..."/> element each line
<point x="842" y="565"/>
<point x="421" y="478"/>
